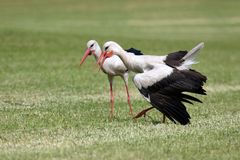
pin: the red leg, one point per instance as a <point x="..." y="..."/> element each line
<point x="142" y="113"/>
<point x="129" y="102"/>
<point x="111" y="101"/>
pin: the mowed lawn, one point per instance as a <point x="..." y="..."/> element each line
<point x="50" y="108"/>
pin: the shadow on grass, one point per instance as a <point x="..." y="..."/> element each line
<point x="147" y="118"/>
<point x="153" y="121"/>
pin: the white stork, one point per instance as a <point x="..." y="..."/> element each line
<point x="112" y="67"/>
<point x="163" y="79"/>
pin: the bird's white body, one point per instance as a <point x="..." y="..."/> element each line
<point x="151" y="68"/>
<point x="150" y="77"/>
<point x="162" y="79"/>
<point x="112" y="67"/>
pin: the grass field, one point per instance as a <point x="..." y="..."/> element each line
<point x="50" y="108"/>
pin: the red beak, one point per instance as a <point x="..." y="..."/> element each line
<point x="87" y="52"/>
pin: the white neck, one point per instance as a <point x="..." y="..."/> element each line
<point x="129" y="61"/>
<point x="97" y="52"/>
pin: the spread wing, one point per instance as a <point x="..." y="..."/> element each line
<point x="164" y="87"/>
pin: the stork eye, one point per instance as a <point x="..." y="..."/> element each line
<point x="92" y="45"/>
<point x="106" y="48"/>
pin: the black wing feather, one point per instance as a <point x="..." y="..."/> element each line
<point x="167" y="95"/>
<point x="174" y="59"/>
<point x="134" y="51"/>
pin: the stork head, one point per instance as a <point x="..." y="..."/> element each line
<point x="110" y="48"/>
<point x="91" y="48"/>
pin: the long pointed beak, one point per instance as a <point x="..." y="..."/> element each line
<point x="87" y="52"/>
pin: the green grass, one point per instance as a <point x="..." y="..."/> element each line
<point x="52" y="109"/>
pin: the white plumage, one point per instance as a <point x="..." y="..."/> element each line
<point x="163" y="79"/>
<point x="112" y="67"/>
<point x="150" y="77"/>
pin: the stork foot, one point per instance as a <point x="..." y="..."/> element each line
<point x="130" y="113"/>
<point x="111" y="116"/>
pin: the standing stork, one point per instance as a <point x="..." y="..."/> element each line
<point x="112" y="67"/>
<point x="163" y="79"/>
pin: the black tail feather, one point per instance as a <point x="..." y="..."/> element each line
<point x="185" y="96"/>
<point x="187" y="101"/>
